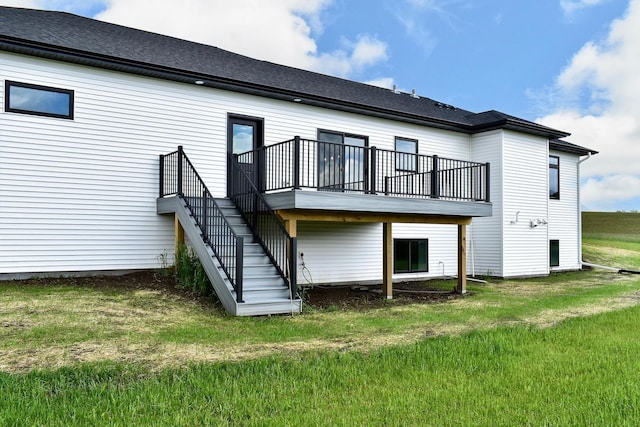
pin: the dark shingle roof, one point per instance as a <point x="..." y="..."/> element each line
<point x="567" y="147"/>
<point x="68" y="37"/>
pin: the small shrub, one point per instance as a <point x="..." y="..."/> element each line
<point x="189" y="272"/>
<point x="164" y="271"/>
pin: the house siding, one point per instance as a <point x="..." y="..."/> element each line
<point x="88" y="200"/>
<point x="526" y="249"/>
<point x="443" y="249"/>
<point x="339" y="252"/>
<point x="352" y="252"/>
<point x="564" y="213"/>
<point x="443" y="246"/>
<point x="484" y="239"/>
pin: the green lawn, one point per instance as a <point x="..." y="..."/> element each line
<point x="612" y="239"/>
<point x="583" y="371"/>
<point x="561" y="350"/>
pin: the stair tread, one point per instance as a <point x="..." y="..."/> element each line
<point x="264" y="289"/>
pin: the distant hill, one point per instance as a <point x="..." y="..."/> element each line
<point x="622" y="224"/>
<point x="612" y="239"/>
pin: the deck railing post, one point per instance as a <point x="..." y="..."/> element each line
<point x="487" y="182"/>
<point x="255" y="213"/>
<point x="239" y="267"/>
<point x="293" y="266"/>
<point x="296" y="162"/>
<point x="180" y="156"/>
<point x="161" y="174"/>
<point x="205" y="202"/>
<point x="373" y="173"/>
<point x="435" y="179"/>
<point x="260" y="175"/>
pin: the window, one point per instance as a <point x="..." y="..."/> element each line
<point x="410" y="256"/>
<point x="38" y="100"/>
<point x="341" y="161"/>
<point x="554" y="253"/>
<point x="554" y="177"/>
<point x="406" y="162"/>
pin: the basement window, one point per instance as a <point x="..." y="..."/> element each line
<point x="25" y="98"/>
<point x="554" y="253"/>
<point x="410" y="256"/>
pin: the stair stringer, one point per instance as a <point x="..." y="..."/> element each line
<point x="204" y="252"/>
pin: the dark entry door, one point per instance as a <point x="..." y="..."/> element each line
<point x="244" y="135"/>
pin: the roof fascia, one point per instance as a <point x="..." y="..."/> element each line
<point x="533" y="128"/>
<point x="580" y="151"/>
<point x="132" y="67"/>
<point x="88" y="59"/>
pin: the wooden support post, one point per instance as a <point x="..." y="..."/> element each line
<point x="387" y="260"/>
<point x="462" y="259"/>
<point x="178" y="232"/>
<point x="291" y="225"/>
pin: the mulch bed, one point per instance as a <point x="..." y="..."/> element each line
<point x="321" y="297"/>
<point x="371" y="297"/>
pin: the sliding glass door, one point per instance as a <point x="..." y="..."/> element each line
<point x="342" y="161"/>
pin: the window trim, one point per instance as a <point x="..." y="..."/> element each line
<point x="555" y="196"/>
<point x="413" y="155"/>
<point x="410" y="271"/>
<point x="343" y="135"/>
<point x="8" y="84"/>
<point x="551" y="244"/>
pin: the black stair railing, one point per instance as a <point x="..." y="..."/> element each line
<point x="178" y="177"/>
<point x="265" y="225"/>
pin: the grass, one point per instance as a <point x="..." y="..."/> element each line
<point x="612" y="239"/>
<point x="560" y="350"/>
<point x="584" y="371"/>
<point x="55" y="326"/>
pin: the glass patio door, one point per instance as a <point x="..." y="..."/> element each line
<point x="341" y="161"/>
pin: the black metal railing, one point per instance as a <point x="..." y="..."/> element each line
<point x="265" y="225"/>
<point x="416" y="175"/>
<point x="178" y="177"/>
<point x="303" y="163"/>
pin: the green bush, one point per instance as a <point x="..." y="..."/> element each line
<point x="189" y="272"/>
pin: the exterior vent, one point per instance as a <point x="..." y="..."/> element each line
<point x="445" y="106"/>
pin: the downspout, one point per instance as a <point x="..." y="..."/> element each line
<point x="580" y="210"/>
<point x="470" y="227"/>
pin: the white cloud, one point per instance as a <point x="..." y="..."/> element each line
<point x="280" y="31"/>
<point x="418" y="33"/>
<point x="598" y="100"/>
<point x="604" y="194"/>
<point x="368" y="51"/>
<point x="383" y="82"/>
<point x="415" y="16"/>
<point x="28" y="4"/>
<point x="571" y="6"/>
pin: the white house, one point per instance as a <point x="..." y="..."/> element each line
<point x="277" y="166"/>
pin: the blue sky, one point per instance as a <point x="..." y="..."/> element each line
<point x="569" y="64"/>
